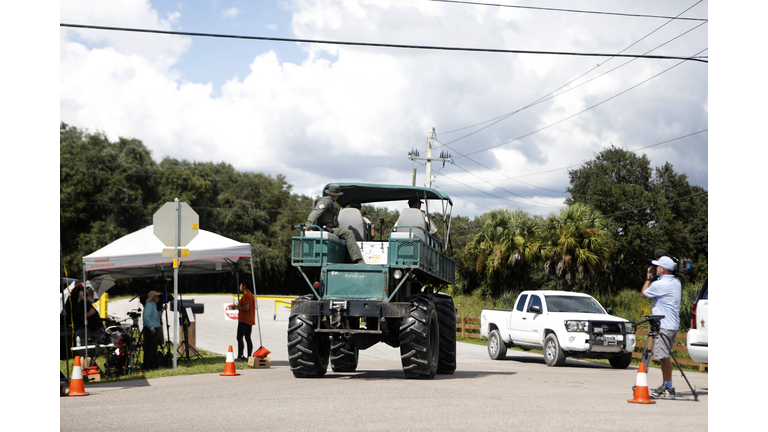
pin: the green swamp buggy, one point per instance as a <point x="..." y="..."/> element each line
<point x="393" y="298"/>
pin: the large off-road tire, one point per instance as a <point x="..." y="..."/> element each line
<point x="420" y="339"/>
<point x="446" y="317"/>
<point x="497" y="350"/>
<point x="343" y="356"/>
<point x="308" y="352"/>
<point x="621" y="361"/>
<point x="553" y="354"/>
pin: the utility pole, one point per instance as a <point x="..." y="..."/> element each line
<point x="444" y="156"/>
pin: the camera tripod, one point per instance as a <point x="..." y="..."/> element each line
<point x="185" y="348"/>
<point x="655" y="322"/>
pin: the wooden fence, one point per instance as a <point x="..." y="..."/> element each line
<point x="470" y="328"/>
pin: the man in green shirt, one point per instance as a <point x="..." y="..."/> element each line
<point x="326" y="213"/>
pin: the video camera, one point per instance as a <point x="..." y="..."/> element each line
<point x="681" y="266"/>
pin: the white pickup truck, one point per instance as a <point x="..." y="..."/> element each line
<point x="562" y="324"/>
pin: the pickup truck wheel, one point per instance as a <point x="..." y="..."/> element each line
<point x="308" y="352"/>
<point x="446" y="316"/>
<point x="621" y="361"/>
<point x="496" y="348"/>
<point x="553" y="354"/>
<point x="343" y="356"/>
<point x="419" y="339"/>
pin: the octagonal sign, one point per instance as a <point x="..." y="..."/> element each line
<point x="164" y="221"/>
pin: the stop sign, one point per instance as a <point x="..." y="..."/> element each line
<point x="164" y="221"/>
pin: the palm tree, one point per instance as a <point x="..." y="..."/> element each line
<point x="506" y="242"/>
<point x="576" y="243"/>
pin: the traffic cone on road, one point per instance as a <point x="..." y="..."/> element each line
<point x="641" y="387"/>
<point x="229" y="367"/>
<point x="76" y="386"/>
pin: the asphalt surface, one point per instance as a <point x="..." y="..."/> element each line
<point x="518" y="393"/>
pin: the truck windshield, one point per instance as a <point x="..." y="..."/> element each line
<point x="573" y="304"/>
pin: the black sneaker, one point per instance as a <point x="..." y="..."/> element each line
<point x="664" y="392"/>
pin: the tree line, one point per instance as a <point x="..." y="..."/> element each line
<point x="111" y="189"/>
<point x="620" y="211"/>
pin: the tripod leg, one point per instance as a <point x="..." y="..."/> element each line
<point x="646" y="358"/>
<point x="671" y="354"/>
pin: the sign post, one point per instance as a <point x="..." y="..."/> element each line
<point x="176" y="224"/>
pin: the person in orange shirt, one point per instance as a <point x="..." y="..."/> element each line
<point x="246" y="319"/>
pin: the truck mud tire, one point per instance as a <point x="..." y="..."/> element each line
<point x="446" y="317"/>
<point x="621" y="361"/>
<point x="308" y="352"/>
<point x="553" y="354"/>
<point x="343" y="356"/>
<point x="420" y="339"/>
<point x="496" y="348"/>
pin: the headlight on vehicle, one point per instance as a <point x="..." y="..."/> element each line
<point x="398" y="274"/>
<point x="629" y="328"/>
<point x="577" y="326"/>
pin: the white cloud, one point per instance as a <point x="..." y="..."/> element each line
<point x="231" y="12"/>
<point x="353" y="113"/>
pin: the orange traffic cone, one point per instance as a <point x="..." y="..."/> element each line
<point x="76" y="387"/>
<point x="229" y="367"/>
<point x="641" y="387"/>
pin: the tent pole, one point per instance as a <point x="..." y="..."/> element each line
<point x="64" y="307"/>
<point x="256" y="301"/>
<point x="177" y="224"/>
<point x="85" y="314"/>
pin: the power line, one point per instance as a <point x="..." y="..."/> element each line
<point x="588" y="219"/>
<point x="568" y="10"/>
<point x="578" y="165"/>
<point x="576" y="114"/>
<point x="381" y="45"/>
<point x="608" y="215"/>
<point x="553" y="94"/>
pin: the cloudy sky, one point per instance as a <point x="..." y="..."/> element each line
<point x="317" y="113"/>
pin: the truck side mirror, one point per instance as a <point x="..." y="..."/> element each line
<point x="535" y="309"/>
<point x="610" y="311"/>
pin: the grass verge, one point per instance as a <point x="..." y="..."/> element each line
<point x="210" y="363"/>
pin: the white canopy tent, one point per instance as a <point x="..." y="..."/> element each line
<point x="140" y="254"/>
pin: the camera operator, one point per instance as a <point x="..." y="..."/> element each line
<point x="665" y="292"/>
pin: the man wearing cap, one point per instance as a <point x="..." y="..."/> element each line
<point x="151" y="330"/>
<point x="415" y="202"/>
<point x="665" y="292"/>
<point x="326" y="213"/>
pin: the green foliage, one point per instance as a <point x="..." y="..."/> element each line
<point x="105" y="189"/>
<point x="110" y="189"/>
<point x="507" y="242"/>
<point x="618" y="181"/>
<point x="576" y="246"/>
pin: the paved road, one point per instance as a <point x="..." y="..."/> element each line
<point x="518" y="393"/>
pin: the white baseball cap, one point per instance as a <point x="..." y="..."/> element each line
<point x="665" y="262"/>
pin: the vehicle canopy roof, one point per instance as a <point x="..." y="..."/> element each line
<point x="368" y="193"/>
